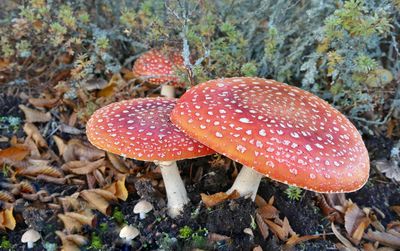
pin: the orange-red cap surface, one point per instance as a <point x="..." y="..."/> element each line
<point x="158" y="67"/>
<point x="281" y="131"/>
<point x="141" y="129"/>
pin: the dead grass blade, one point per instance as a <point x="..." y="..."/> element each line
<point x="342" y="239"/>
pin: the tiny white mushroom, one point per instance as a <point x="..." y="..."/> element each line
<point x="29" y="237"/>
<point x="142" y="208"/>
<point x="128" y="233"/>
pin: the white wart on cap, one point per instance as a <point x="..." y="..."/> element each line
<point x="280" y="131"/>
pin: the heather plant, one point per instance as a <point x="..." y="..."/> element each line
<point x="344" y="51"/>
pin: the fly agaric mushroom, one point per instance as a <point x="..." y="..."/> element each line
<point x="275" y="130"/>
<point x="158" y="67"/>
<point x="29" y="237"/>
<point x="141" y="129"/>
<point x="142" y="208"/>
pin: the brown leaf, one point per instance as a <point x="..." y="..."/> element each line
<point x="44" y="102"/>
<point x="262" y="226"/>
<point x="76" y="150"/>
<point x="390" y="168"/>
<point x="215" y="199"/>
<point x="32" y="115"/>
<point x="260" y="202"/>
<point x="282" y="232"/>
<point x="117" y="163"/>
<point x="268" y="212"/>
<point x="396" y="209"/>
<point x="352" y="216"/>
<point x="6" y="196"/>
<point x="13" y="154"/>
<point x="118" y="189"/>
<point x="70" y="129"/>
<point x="82" y="166"/>
<point x="383" y="238"/>
<point x="60" y="144"/>
<point x="214" y="237"/>
<point x="341" y="238"/>
<point x="71" y="242"/>
<point x="96" y="200"/>
<point x="7" y="219"/>
<point x="33" y="132"/>
<point x="35" y="170"/>
<point x="295" y="239"/>
<point x="71" y="225"/>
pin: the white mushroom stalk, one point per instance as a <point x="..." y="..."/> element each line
<point x="246" y="183"/>
<point x="174" y="187"/>
<point x="167" y="91"/>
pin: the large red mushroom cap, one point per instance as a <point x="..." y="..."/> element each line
<point x="141" y="129"/>
<point x="281" y="131"/>
<point x="157" y="67"/>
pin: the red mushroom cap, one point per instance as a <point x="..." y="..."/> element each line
<point x="158" y="67"/>
<point x="281" y="131"/>
<point x="141" y="129"/>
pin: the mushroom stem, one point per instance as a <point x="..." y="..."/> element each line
<point x="246" y="183"/>
<point x="174" y="187"/>
<point x="30" y="244"/>
<point x="168" y="91"/>
<point x="142" y="215"/>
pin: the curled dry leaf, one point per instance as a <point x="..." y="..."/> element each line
<point x="98" y="199"/>
<point x="7" y="219"/>
<point x="268" y="212"/>
<point x="391" y="168"/>
<point x="82" y="166"/>
<point x="217" y="198"/>
<point x="76" y="150"/>
<point x="44" y="102"/>
<point x="262" y="226"/>
<point x="71" y="242"/>
<point x="117" y="163"/>
<point x="70" y="129"/>
<point x="214" y="237"/>
<point x="13" y="154"/>
<point x="295" y="239"/>
<point x="341" y="238"/>
<point x="33" y="132"/>
<point x="60" y="144"/>
<point x="32" y="115"/>
<point x="280" y="230"/>
<point x="6" y="196"/>
<point x="355" y="222"/>
<point x="118" y="189"/>
<point x="396" y="209"/>
<point x="33" y="149"/>
<point x="35" y="170"/>
<point x="74" y="221"/>
<point x="70" y="202"/>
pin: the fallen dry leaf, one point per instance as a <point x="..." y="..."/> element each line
<point x="268" y="212"/>
<point x="262" y="226"/>
<point x="390" y="168"/>
<point x="118" y="189"/>
<point x="33" y="132"/>
<point x="117" y="163"/>
<point x="295" y="239"/>
<point x="76" y="150"/>
<point x="386" y="239"/>
<point x="60" y="144"/>
<point x="71" y="242"/>
<point x="281" y="231"/>
<point x="13" y="154"/>
<point x="355" y="222"/>
<point x="7" y="219"/>
<point x="341" y="238"/>
<point x="82" y="166"/>
<point x="35" y="170"/>
<point x="215" y="199"/>
<point x="32" y="115"/>
<point x="44" y="102"/>
<point x="98" y="200"/>
<point x="396" y="209"/>
<point x="6" y="196"/>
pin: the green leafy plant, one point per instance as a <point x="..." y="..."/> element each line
<point x="118" y="216"/>
<point x="293" y="193"/>
<point x="185" y="232"/>
<point x="5" y="243"/>
<point x="96" y="243"/>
